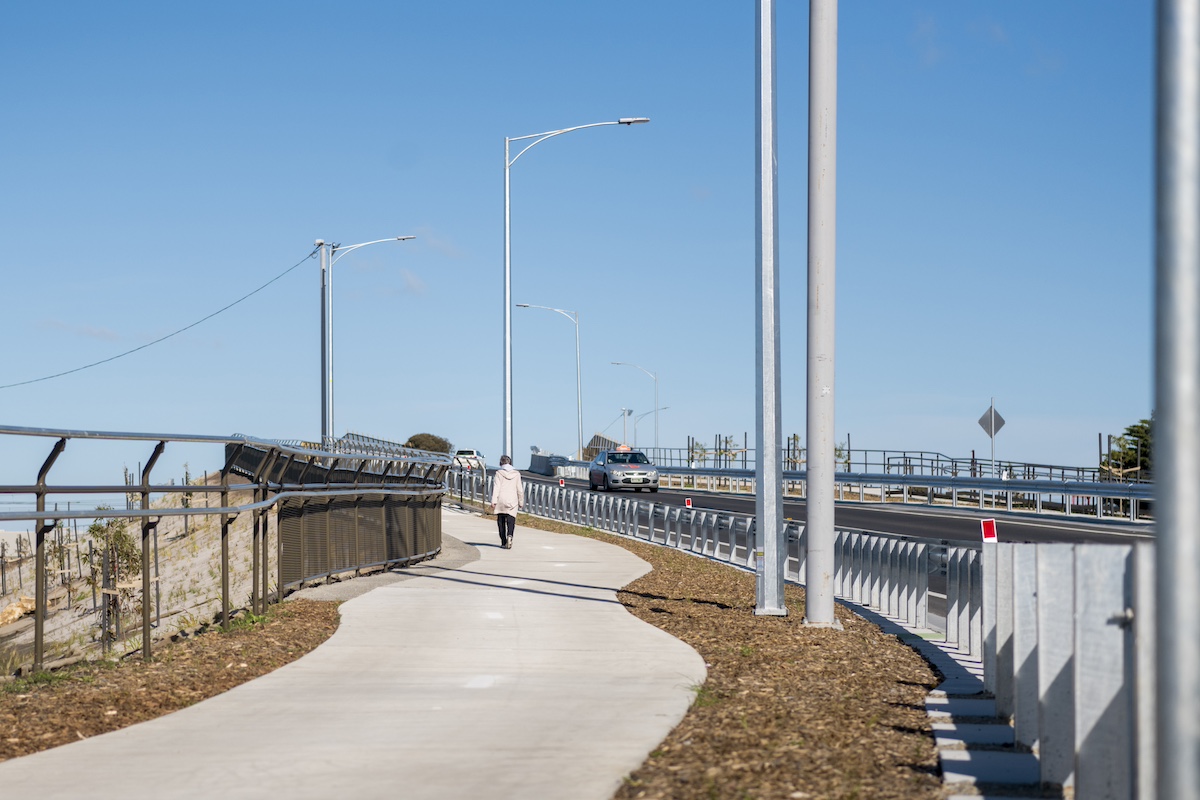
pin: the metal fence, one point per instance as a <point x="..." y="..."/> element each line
<point x="727" y="453"/>
<point x="1101" y="500"/>
<point x="275" y="516"/>
<point x="1062" y="634"/>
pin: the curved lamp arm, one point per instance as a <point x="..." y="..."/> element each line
<point x="341" y="251"/>
<point x="635" y="366"/>
<point x="538" y="138"/>
<point x="571" y="315"/>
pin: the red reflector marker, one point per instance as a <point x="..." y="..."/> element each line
<point x="988" y="526"/>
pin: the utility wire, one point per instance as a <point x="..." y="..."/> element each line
<point x="169" y="335"/>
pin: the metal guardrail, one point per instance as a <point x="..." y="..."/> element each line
<point x="730" y="454"/>
<point x="1132" y="501"/>
<point x="352" y="508"/>
<point x="1064" y="633"/>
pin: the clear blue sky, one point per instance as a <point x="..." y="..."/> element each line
<point x="161" y="160"/>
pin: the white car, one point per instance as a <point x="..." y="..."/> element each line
<point x="622" y="468"/>
<point x="469" y="459"/>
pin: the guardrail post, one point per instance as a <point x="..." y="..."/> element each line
<point x="988" y="557"/>
<point x="1144" y="627"/>
<point x="964" y="600"/>
<point x="894" y="578"/>
<point x="921" y="613"/>
<point x="1055" y="656"/>
<point x="1025" y="711"/>
<point x="953" y="597"/>
<point x="1104" y="686"/>
<point x="856" y="569"/>
<point x="1003" y="681"/>
<point x="975" y="625"/>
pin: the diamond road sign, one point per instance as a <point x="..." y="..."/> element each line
<point x="991" y="422"/>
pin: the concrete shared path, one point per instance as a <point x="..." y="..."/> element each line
<point x="485" y="673"/>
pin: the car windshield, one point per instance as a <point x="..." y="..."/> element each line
<point x="627" y="458"/>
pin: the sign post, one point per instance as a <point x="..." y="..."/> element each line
<point x="992" y="422"/>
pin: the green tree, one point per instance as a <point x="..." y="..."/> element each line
<point x="124" y="560"/>
<point x="1131" y="456"/>
<point x="431" y="442"/>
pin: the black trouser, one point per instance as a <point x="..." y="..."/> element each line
<point x="507" y="523"/>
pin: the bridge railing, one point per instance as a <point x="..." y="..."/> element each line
<point x="332" y="511"/>
<point x="1063" y="635"/>
<point x="1098" y="499"/>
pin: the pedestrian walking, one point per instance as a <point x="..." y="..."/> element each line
<point x="508" y="496"/>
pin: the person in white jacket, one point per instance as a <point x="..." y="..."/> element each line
<point x="507" y="497"/>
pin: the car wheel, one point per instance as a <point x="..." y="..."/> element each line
<point x="607" y="485"/>
<point x="653" y="489"/>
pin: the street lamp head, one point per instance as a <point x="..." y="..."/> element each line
<point x="522" y="305"/>
<point x="632" y="120"/>
<point x="404" y="238"/>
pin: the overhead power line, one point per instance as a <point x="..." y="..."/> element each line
<point x="163" y="338"/>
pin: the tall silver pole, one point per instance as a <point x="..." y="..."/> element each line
<point x="326" y="346"/>
<point x="822" y="241"/>
<point x="507" y="435"/>
<point x="1177" y="398"/>
<point x="771" y="547"/>
<point x="578" y="388"/>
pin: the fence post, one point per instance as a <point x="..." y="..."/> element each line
<point x="921" y="612"/>
<point x="1055" y="653"/>
<point x="1144" y="626"/>
<point x="988" y="555"/>
<point x="1025" y="711"/>
<point x="975" y="625"/>
<point x="1002" y="683"/>
<point x="1103" y="684"/>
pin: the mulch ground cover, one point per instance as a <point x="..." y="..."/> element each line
<point x="49" y="709"/>
<point x="786" y="711"/>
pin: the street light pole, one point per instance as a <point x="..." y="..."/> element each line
<point x="538" y="138"/>
<point x="654" y="376"/>
<point x="574" y="317"/>
<point x="330" y="254"/>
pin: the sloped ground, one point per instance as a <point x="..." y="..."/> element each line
<point x="188" y="593"/>
<point x="786" y="712"/>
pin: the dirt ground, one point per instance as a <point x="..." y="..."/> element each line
<point x="786" y="712"/>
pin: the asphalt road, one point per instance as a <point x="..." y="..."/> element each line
<point x="938" y="523"/>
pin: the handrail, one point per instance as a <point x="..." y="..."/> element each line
<point x="290" y="446"/>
